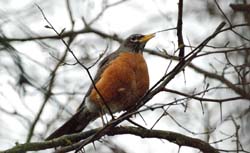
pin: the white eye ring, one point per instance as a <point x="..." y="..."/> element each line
<point x="133" y="39"/>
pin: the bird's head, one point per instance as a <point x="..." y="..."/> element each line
<point x="136" y="42"/>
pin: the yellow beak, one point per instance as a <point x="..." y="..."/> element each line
<point x="146" y="38"/>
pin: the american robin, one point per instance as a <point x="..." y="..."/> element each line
<point x="121" y="80"/>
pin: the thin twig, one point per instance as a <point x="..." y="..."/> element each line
<point x="82" y="65"/>
<point x="181" y="44"/>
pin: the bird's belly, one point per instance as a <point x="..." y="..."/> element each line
<point x="122" y="83"/>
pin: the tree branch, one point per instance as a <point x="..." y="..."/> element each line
<point x="68" y="34"/>
<point x="173" y="137"/>
<point x="179" y="30"/>
<point x="240" y="7"/>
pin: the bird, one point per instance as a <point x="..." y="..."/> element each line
<point x="121" y="80"/>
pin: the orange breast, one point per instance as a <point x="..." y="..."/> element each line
<point x="122" y="83"/>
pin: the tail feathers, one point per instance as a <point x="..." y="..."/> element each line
<point x="75" y="124"/>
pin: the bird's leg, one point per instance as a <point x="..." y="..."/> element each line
<point x="102" y="115"/>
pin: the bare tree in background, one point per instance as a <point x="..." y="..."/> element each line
<point x="202" y="93"/>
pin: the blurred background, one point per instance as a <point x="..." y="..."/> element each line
<point x="41" y="83"/>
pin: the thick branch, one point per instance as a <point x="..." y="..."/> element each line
<point x="173" y="137"/>
<point x="240" y="7"/>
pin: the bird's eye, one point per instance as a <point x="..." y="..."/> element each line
<point x="133" y="39"/>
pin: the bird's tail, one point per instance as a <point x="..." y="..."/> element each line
<point x="75" y="124"/>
